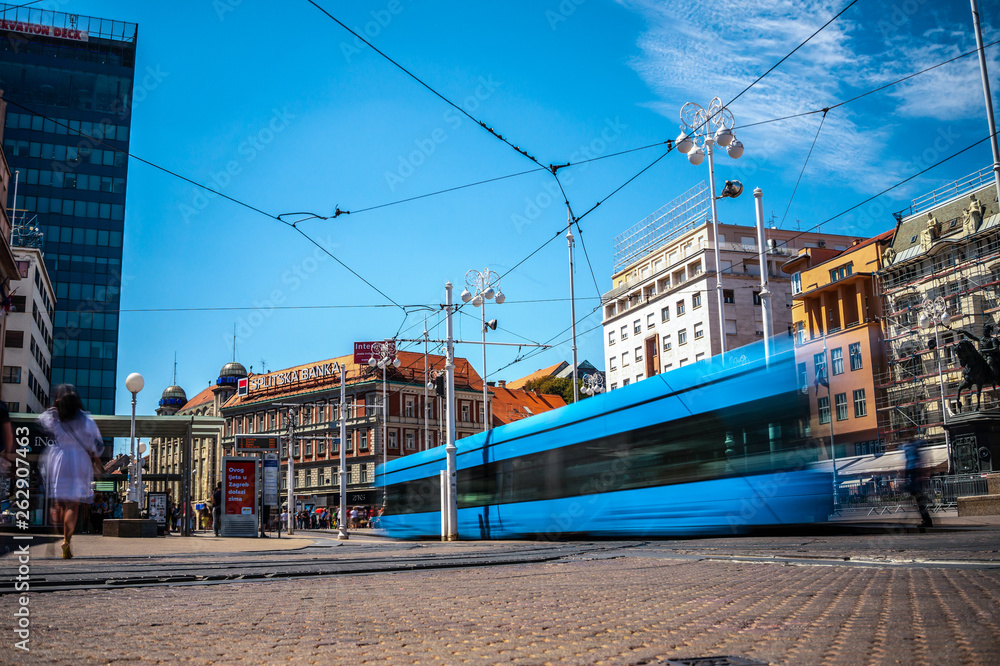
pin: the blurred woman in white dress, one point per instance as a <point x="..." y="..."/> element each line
<point x="68" y="464"/>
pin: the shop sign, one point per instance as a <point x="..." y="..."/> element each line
<point x="275" y="379"/>
<point x="45" y="30"/>
<point x="363" y="350"/>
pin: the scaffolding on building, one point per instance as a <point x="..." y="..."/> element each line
<point x="680" y="215"/>
<point x="964" y="271"/>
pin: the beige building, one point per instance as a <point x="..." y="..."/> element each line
<point x="663" y="310"/>
<point x="27" y="361"/>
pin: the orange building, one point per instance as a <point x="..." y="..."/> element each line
<point x="839" y="342"/>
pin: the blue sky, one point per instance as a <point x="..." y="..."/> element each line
<point x="305" y="118"/>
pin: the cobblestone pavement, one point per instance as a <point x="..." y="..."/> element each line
<point x="625" y="610"/>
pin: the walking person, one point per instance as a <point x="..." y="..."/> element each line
<point x="915" y="476"/>
<point x="217" y="507"/>
<point x="68" y="464"/>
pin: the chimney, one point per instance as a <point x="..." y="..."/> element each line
<point x="501" y="383"/>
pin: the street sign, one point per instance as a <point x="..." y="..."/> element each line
<point x="257" y="443"/>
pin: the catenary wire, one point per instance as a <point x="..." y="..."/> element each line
<point x="804" y="165"/>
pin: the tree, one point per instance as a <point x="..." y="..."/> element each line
<point x="561" y="386"/>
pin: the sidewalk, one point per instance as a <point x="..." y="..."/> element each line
<point x="46" y="546"/>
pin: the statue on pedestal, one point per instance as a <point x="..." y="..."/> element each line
<point x="931" y="233"/>
<point x="972" y="216"/>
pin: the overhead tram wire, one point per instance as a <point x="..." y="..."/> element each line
<point x="804" y="164"/>
<point x="208" y="189"/>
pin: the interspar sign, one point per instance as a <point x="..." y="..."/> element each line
<point x="363" y="350"/>
<point x="45" y="30"/>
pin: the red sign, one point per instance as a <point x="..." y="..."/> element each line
<point x="242" y="386"/>
<point x="240" y="488"/>
<point x="363" y="350"/>
<point x="45" y="30"/>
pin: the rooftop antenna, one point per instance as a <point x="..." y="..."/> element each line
<point x="773" y="218"/>
<point x="234" y="342"/>
<point x="263" y="366"/>
<point x="798" y="225"/>
<point x="175" y="368"/>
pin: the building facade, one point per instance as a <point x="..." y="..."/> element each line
<point x="27" y="361"/>
<point x="8" y="268"/>
<point x="944" y="260"/>
<point x="839" y="345"/>
<point x="663" y="310"/>
<point x="69" y="81"/>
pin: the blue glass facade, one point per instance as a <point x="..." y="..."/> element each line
<point x="73" y="183"/>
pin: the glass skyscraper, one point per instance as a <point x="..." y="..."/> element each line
<point x="68" y="82"/>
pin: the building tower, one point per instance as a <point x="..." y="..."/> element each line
<point x="68" y="82"/>
<point x="173" y="398"/>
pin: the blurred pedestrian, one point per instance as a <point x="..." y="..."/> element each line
<point x="68" y="465"/>
<point x="915" y="477"/>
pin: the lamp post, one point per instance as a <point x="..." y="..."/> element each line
<point x="134" y="384"/>
<point x="486" y="284"/>
<point x="593" y="384"/>
<point x="932" y="313"/>
<point x="386" y="353"/>
<point x="289" y="448"/>
<point x="342" y="472"/>
<point x="707" y="127"/>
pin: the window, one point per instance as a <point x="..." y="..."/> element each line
<point x="14" y="339"/>
<point x="309" y="448"/>
<point x="756" y="298"/>
<point x="364" y="440"/>
<point x="699" y="332"/>
<point x="682" y="363"/>
<point x="614" y="385"/>
<point x="611" y="338"/>
<point x="666" y="343"/>
<point x="613" y="363"/>
<point x="837" y="360"/>
<point x="841" y="272"/>
<point x="696" y="301"/>
<point x="625" y="382"/>
<point x="409" y="440"/>
<point x="625" y="332"/>
<point x="392" y="439"/>
<point x="824" y="409"/>
<point x="638" y="354"/>
<point x="682" y="337"/>
<point x="625" y="360"/>
<point x="465" y="412"/>
<point x="728" y="296"/>
<point x="650" y="320"/>
<point x="363" y="473"/>
<point x="800" y="333"/>
<point x="855" y="352"/>
<point x="11" y="374"/>
<point x="841" y="400"/>
<point x="409" y="407"/>
<point x="819" y="365"/>
<point x="637" y="326"/>
<point x="665" y="314"/>
<point x="295" y="451"/>
<point x="680" y="308"/>
<point x="801" y="372"/>
<point x="639" y="377"/>
<point x="860" y="405"/>
<point x="730" y="327"/>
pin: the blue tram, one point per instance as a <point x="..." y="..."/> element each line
<point x="708" y="448"/>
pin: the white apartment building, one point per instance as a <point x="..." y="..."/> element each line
<point x="663" y="310"/>
<point x="27" y="359"/>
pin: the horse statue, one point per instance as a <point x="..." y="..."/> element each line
<point x="975" y="371"/>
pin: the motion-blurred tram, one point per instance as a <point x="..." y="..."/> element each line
<point x="713" y="447"/>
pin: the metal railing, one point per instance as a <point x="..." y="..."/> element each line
<point x="892" y="495"/>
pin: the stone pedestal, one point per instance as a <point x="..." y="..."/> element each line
<point x="135" y="528"/>
<point x="975" y="442"/>
<point x="130" y="510"/>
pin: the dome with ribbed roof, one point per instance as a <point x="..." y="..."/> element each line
<point x="230" y="373"/>
<point x="173" y="396"/>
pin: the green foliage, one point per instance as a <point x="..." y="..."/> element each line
<point x="561" y="386"/>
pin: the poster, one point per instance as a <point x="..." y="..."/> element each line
<point x="271" y="479"/>
<point x="240" y="487"/>
<point x="158" y="507"/>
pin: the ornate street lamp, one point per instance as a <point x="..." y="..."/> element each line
<point x="593" y="384"/>
<point x="383" y="356"/>
<point x="134" y="384"/>
<point x="930" y="314"/>
<point x="705" y="128"/>
<point x="486" y="286"/>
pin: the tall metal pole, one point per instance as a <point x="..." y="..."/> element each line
<point x="427" y="409"/>
<point x="486" y="408"/>
<point x="135" y="463"/>
<point x="342" y="523"/>
<point x="829" y="398"/>
<point x="765" y="294"/>
<point x="450" y="448"/>
<point x="944" y="406"/>
<point x="385" y="424"/>
<point x="986" y="92"/>
<point x="709" y="142"/>
<point x="291" y="471"/>
<point x="572" y="299"/>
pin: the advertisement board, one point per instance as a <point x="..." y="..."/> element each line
<point x="271" y="479"/>
<point x="240" y="487"/>
<point x="158" y="507"/>
<point x="363" y="350"/>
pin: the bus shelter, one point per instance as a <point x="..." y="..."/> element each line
<point x="184" y="427"/>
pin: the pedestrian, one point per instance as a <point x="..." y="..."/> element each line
<point x="217" y="507"/>
<point x="354" y="517"/>
<point x="170" y="512"/>
<point x="915" y="477"/>
<point x="68" y="465"/>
